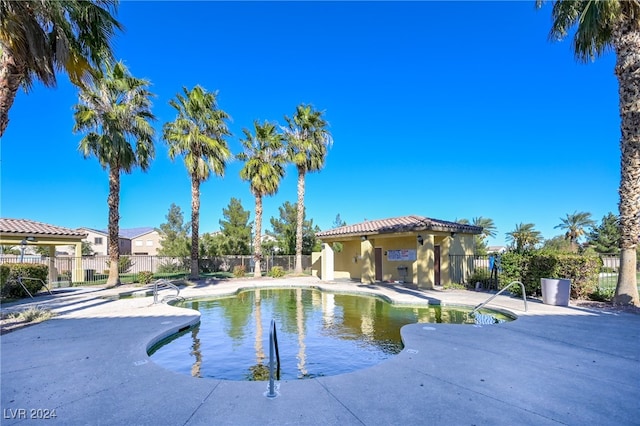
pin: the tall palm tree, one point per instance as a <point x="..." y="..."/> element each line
<point x="600" y="26"/>
<point x="308" y="140"/>
<point x="264" y="158"/>
<point x="575" y="225"/>
<point x="198" y="133"/>
<point x="38" y="38"/>
<point x="524" y="237"/>
<point x="115" y="114"/>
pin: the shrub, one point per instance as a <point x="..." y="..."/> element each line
<point x="145" y="277"/>
<point x="11" y="288"/>
<point x="528" y="268"/>
<point x="239" y="271"/>
<point x="602" y="294"/>
<point x="276" y="272"/>
<point x="169" y="267"/>
<point x="124" y="264"/>
<point x="479" y="275"/>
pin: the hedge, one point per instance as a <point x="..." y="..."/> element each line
<point x="528" y="268"/>
<point x="9" y="273"/>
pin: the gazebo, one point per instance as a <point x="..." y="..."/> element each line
<point x="24" y="233"/>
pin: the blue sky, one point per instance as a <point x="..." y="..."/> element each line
<point x="447" y="110"/>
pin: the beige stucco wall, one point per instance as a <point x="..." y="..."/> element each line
<point x="357" y="259"/>
<point x="146" y="244"/>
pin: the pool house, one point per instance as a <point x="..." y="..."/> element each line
<point x="406" y="249"/>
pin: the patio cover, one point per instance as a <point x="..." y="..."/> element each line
<point x="14" y="231"/>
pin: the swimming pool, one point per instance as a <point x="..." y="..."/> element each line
<point x="319" y="333"/>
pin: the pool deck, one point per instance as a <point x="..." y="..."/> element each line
<point x="553" y="365"/>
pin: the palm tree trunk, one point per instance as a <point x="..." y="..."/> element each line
<point x="257" y="241"/>
<point x="195" y="226"/>
<point x="300" y="220"/>
<point x="10" y="78"/>
<point x="113" y="201"/>
<point x="626" y="41"/>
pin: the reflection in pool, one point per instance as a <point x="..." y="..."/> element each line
<point x="319" y="333"/>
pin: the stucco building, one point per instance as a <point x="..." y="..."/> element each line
<point x="411" y="249"/>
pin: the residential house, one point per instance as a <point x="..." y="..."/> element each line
<point x="141" y="241"/>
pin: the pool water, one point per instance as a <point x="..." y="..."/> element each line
<point x="319" y="333"/>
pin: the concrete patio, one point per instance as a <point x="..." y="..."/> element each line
<point x="553" y="365"/>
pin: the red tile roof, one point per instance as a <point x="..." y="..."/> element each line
<point x="399" y="224"/>
<point x="23" y="227"/>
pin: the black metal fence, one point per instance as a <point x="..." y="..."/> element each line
<point x="95" y="269"/>
<point x="468" y="270"/>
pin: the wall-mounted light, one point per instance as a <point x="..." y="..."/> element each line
<point x="453" y="234"/>
<point x="420" y="239"/>
<point x="322" y="245"/>
<point x="363" y="238"/>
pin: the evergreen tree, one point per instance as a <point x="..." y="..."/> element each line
<point x="174" y="234"/>
<point x="337" y="223"/>
<point x="605" y="238"/>
<point x="284" y="230"/>
<point x="213" y="244"/>
<point x="236" y="228"/>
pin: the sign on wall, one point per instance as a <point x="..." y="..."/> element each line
<point x="401" y="255"/>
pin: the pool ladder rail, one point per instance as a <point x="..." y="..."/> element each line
<point x="524" y="297"/>
<point x="274" y="361"/>
<point x="162" y="284"/>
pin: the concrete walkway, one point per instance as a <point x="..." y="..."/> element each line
<point x="553" y="365"/>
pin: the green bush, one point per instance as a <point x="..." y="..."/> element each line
<point x="239" y="271"/>
<point x="528" y="268"/>
<point x="10" y="288"/>
<point x="479" y="275"/>
<point x="124" y="264"/>
<point x="169" y="268"/>
<point x="145" y="277"/>
<point x="276" y="272"/>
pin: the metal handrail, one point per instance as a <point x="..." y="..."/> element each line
<point x="524" y="297"/>
<point x="273" y="348"/>
<point x="164" y="283"/>
<point x="24" y="287"/>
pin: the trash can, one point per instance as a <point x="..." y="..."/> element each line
<point x="555" y="291"/>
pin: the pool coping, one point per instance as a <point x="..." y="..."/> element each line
<point x="525" y="371"/>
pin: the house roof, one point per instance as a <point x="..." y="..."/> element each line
<point x="399" y="224"/>
<point x="125" y="233"/>
<point x="135" y="232"/>
<point x="24" y="227"/>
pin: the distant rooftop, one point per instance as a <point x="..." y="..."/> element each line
<point x="129" y="234"/>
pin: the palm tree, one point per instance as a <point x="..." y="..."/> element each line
<point x="264" y="158"/>
<point x="575" y="225"/>
<point x="308" y="140"/>
<point x="38" y="38"/>
<point x="198" y="133"/>
<point x="600" y="26"/>
<point x="524" y="237"/>
<point x="115" y="114"/>
<point x="487" y="225"/>
<point x="488" y="230"/>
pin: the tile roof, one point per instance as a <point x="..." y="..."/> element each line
<point x="21" y="227"/>
<point x="399" y="224"/>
